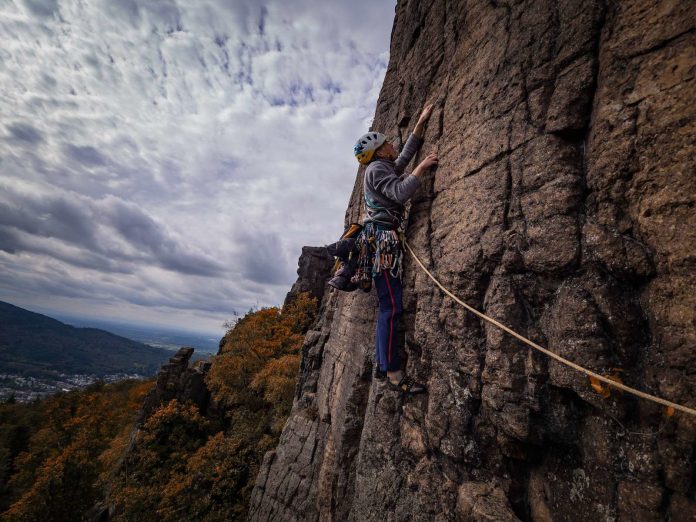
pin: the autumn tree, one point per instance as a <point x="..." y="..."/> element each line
<point x="60" y="456"/>
<point x="260" y="358"/>
<point x="64" y="449"/>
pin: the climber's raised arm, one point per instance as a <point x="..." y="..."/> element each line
<point x="422" y="120"/>
<point x="414" y="141"/>
<point x="382" y="179"/>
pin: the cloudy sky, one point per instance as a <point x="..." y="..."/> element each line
<point x="165" y="161"/>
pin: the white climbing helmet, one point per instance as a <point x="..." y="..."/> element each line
<point x="367" y="144"/>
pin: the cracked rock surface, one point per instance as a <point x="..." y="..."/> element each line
<point x="563" y="206"/>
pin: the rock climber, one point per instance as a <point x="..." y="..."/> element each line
<point x="386" y="190"/>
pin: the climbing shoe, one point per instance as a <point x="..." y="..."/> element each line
<point x="407" y="386"/>
<point x="379" y="374"/>
<point x="341" y="281"/>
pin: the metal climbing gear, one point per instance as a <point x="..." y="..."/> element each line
<point x="379" y="248"/>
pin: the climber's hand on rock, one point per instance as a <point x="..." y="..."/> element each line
<point x="425" y="115"/>
<point x="429" y="161"/>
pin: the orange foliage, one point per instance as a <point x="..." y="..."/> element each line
<point x="57" y="473"/>
<point x="180" y="465"/>
<point x="222" y="469"/>
<point x="185" y="467"/>
<point x="277" y="378"/>
<point x="260" y="358"/>
<point x="157" y="459"/>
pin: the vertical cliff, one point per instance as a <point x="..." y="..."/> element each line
<point x="563" y="206"/>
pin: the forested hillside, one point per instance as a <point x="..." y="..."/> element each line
<point x="56" y="454"/>
<point x="34" y="344"/>
<point x="100" y="452"/>
<point x="200" y="463"/>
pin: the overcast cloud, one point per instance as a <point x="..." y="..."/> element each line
<point x="165" y="161"/>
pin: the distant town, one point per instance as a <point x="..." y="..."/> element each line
<point x="26" y="389"/>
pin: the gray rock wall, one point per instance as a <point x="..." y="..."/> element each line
<point x="563" y="206"/>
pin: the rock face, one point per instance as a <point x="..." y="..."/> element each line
<point x="563" y="206"/>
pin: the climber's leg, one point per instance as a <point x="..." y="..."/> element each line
<point x="389" y="338"/>
<point x="389" y="293"/>
<point x="378" y="345"/>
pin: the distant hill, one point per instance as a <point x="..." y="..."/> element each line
<point x="34" y="344"/>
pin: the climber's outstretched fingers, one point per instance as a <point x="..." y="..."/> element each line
<point x="425" y="114"/>
<point x="429" y="161"/>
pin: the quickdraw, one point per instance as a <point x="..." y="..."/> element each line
<point x="379" y="249"/>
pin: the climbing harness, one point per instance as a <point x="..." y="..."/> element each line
<point x="671" y="406"/>
<point x="373" y="208"/>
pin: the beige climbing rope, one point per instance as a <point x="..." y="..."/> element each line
<point x="590" y="373"/>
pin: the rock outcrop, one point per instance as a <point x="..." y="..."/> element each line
<point x="314" y="267"/>
<point x="563" y="206"/>
<point x="181" y="381"/>
<point x="178" y="380"/>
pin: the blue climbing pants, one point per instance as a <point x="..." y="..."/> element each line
<point x="389" y="336"/>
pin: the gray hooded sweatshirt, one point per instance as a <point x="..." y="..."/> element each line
<point x="386" y="189"/>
